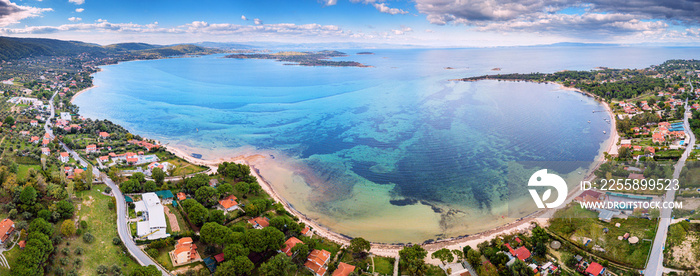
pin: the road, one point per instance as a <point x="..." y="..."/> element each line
<point x="655" y="266"/>
<point x="122" y="215"/>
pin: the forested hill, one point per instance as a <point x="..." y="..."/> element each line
<point x="606" y="83"/>
<point x="16" y="48"/>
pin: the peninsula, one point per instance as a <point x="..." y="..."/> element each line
<point x="320" y="58"/>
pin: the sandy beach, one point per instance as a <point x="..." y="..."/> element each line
<point x="391" y="250"/>
<point x="81" y="92"/>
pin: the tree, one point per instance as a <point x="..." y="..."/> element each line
<point x="68" y="228"/>
<point x="412" y="260"/>
<point x="242" y="188"/>
<point x="217" y="216"/>
<point x="280" y="264"/>
<point x="150" y="270"/>
<point x="234" y="250"/>
<point x="216" y="234"/>
<point x="286" y="225"/>
<point x="359" y="247"/>
<point x="197" y="213"/>
<point x="226" y="268"/>
<point x="458" y="254"/>
<point x="65" y="209"/>
<point x="28" y="196"/>
<point x="300" y="251"/>
<point x="474" y="258"/>
<point x="224" y="189"/>
<point x="149" y="186"/>
<point x="540" y="238"/>
<point x="207" y="196"/>
<point x="243" y="265"/>
<point x="158" y="175"/>
<point x="445" y="255"/>
<point x="9" y="121"/>
<point x="41" y="226"/>
<point x="519" y="268"/>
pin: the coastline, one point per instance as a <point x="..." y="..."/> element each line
<point x="391" y="250"/>
<point x="81" y="92"/>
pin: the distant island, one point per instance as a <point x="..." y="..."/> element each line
<point x="304" y="58"/>
<point x="365" y="53"/>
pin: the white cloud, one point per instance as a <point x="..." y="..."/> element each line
<point x="382" y="7"/>
<point x="243" y="17"/>
<point x="331" y="2"/>
<point x="74" y="19"/>
<point x="79" y="10"/>
<point x="257" y="21"/>
<point x="11" y="13"/>
<point x="402" y="31"/>
<point x="77" y="2"/>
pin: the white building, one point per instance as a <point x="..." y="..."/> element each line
<point x="154" y="225"/>
<point x="65" y="116"/>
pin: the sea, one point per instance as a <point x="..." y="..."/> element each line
<point x="397" y="152"/>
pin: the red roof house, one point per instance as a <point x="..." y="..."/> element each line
<point x="289" y="244"/>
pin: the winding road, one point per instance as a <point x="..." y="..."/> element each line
<point x="655" y="265"/>
<point x="122" y="215"/>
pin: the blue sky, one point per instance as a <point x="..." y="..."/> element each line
<point x="434" y="23"/>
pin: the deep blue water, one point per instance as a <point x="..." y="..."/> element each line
<point x="401" y="122"/>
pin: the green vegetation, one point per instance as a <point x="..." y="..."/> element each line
<point x="578" y="226"/>
<point x="304" y="58"/>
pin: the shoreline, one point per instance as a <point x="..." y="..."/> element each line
<point x="81" y="92"/>
<point x="391" y="250"/>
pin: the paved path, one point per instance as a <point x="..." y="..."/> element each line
<point x="396" y="266"/>
<point x="655" y="265"/>
<point x="122" y="228"/>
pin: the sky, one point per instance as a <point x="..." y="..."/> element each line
<point x="429" y="23"/>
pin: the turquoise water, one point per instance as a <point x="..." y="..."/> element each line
<point x="374" y="146"/>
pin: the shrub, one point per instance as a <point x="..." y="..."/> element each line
<point x="79" y="250"/>
<point x="153" y="252"/>
<point x="88" y="238"/>
<point x="102" y="269"/>
<point x="116" y="241"/>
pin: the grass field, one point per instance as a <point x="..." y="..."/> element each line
<point x="683" y="247"/>
<point x="184" y="168"/>
<point x="11" y="256"/>
<point x="383" y="265"/>
<point x="101" y="224"/>
<point x="23" y="170"/>
<point x="579" y="225"/>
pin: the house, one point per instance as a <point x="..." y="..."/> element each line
<point x="104" y="135"/>
<point x="306" y="231"/>
<point x="181" y="196"/>
<point x="259" y="222"/>
<point x="229" y="203"/>
<point x="588" y="196"/>
<point x="45" y="151"/>
<point x="24" y="132"/>
<point x="317" y="260"/>
<point x="132" y="160"/>
<point x="154" y="225"/>
<point x="213" y="182"/>
<point x="45" y="141"/>
<point x="104" y="158"/>
<point x="34" y="139"/>
<point x="64" y="157"/>
<point x="65" y="116"/>
<point x="185" y="252"/>
<point x="636" y="176"/>
<point x="658" y="137"/>
<point x="91" y="148"/>
<point x="7" y="226"/>
<point x="34" y="123"/>
<point x="595" y="269"/>
<point x="343" y="269"/>
<point x="521" y="253"/>
<point x="289" y="244"/>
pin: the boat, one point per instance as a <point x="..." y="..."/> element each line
<point x="604" y="132"/>
<point x="589" y="121"/>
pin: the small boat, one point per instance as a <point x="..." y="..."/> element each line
<point x="604" y="132"/>
<point x="589" y="121"/>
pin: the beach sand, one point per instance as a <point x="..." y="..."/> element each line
<point x="81" y="92"/>
<point x="524" y="224"/>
